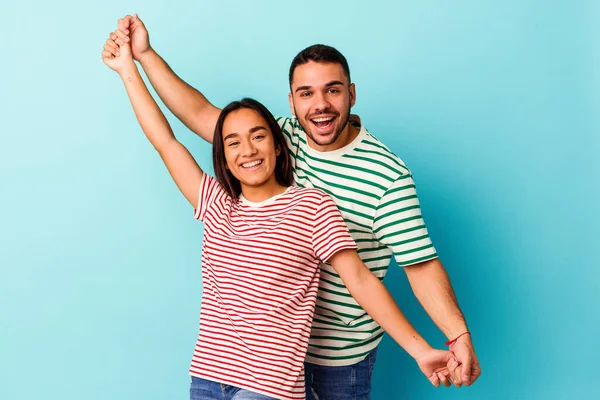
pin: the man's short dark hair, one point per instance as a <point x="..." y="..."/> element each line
<point x="322" y="54"/>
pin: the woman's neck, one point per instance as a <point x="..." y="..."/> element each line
<point x="256" y="194"/>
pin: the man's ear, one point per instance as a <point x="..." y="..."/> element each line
<point x="291" y="100"/>
<point x="352" y="95"/>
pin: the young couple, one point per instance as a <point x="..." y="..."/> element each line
<point x="293" y="303"/>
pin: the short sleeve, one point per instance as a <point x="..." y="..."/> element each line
<point x="398" y="223"/>
<point x="288" y="125"/>
<point x="330" y="233"/>
<point x="209" y="194"/>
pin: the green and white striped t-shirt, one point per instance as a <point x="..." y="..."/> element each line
<point x="376" y="194"/>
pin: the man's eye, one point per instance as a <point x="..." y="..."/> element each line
<point x="304" y="94"/>
<point x="333" y="91"/>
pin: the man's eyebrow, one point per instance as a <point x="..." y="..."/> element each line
<point x="328" y="84"/>
<point x="299" y="88"/>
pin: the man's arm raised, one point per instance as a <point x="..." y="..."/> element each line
<point x="188" y="104"/>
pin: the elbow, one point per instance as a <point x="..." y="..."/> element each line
<point x="163" y="145"/>
<point x="358" y="283"/>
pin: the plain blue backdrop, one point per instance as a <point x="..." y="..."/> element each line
<point x="493" y="105"/>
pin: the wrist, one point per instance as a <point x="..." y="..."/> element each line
<point x="464" y="337"/>
<point x="458" y="328"/>
<point x="146" y="55"/>
<point x="418" y="349"/>
<point x="127" y="71"/>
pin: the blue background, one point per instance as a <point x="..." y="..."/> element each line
<point x="493" y="105"/>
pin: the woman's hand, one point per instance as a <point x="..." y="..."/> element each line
<point x="435" y="365"/>
<point x="117" y="55"/>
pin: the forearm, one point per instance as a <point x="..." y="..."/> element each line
<point x="431" y="286"/>
<point x="188" y="104"/>
<point x="150" y="117"/>
<point x="374" y="298"/>
<point x="181" y="165"/>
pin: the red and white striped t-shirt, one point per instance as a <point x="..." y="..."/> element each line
<point x="260" y="273"/>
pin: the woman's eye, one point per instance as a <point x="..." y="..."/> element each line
<point x="232" y="144"/>
<point x="259" y="136"/>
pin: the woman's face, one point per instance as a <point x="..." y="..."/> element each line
<point x="250" y="152"/>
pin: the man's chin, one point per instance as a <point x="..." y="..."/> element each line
<point x="323" y="139"/>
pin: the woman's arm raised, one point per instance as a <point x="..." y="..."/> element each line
<point x="181" y="165"/>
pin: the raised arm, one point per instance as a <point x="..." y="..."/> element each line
<point x="181" y="165"/>
<point x="375" y="299"/>
<point x="187" y="103"/>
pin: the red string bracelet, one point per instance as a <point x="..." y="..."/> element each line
<point x="451" y="342"/>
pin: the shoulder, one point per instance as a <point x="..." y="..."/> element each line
<point x="299" y="191"/>
<point x="289" y="124"/>
<point x="285" y="121"/>
<point x="381" y="157"/>
<point x="309" y="195"/>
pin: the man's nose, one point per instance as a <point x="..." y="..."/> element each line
<point x="321" y="102"/>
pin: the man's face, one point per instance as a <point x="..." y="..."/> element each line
<point x="321" y="99"/>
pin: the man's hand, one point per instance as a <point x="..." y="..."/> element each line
<point x="131" y="27"/>
<point x="468" y="369"/>
<point x="435" y="365"/>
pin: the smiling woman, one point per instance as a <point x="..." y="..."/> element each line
<point x="247" y="152"/>
<point x="260" y="286"/>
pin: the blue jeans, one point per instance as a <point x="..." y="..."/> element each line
<point x="352" y="382"/>
<point x="202" y="389"/>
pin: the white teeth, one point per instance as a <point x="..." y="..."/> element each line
<point x="251" y="164"/>
<point x="322" y="119"/>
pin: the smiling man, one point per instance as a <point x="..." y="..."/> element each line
<point x="376" y="194"/>
<point x="373" y="189"/>
<point x="321" y="97"/>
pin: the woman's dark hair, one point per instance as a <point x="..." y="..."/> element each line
<point x="319" y="53"/>
<point x="283" y="166"/>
